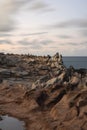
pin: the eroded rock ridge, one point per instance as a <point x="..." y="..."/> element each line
<point x="44" y="93"/>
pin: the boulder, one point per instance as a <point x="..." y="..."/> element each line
<point x="74" y="80"/>
<point x="1" y="118"/>
<point x="56" y="80"/>
<point x="1" y="80"/>
<point x="5" y="73"/>
<point x="52" y="81"/>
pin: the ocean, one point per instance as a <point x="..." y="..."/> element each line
<point x="76" y="62"/>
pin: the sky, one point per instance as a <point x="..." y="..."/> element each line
<point x="43" y="27"/>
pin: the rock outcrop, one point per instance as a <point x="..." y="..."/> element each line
<point x="44" y="93"/>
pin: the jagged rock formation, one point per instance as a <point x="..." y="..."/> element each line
<point x="44" y="93"/>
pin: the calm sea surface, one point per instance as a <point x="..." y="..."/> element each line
<point x="76" y="62"/>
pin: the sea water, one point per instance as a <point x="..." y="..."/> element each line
<point x="76" y="62"/>
<point x="10" y="123"/>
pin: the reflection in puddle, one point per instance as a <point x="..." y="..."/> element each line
<point x="10" y="123"/>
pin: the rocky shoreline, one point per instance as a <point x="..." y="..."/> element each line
<point x="41" y="91"/>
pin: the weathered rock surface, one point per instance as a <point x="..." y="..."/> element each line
<point x="43" y="92"/>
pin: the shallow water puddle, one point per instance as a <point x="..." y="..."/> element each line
<point x="10" y="123"/>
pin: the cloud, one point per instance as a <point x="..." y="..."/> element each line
<point x="75" y="23"/>
<point x="35" y="43"/>
<point x="23" y="34"/>
<point x="24" y="42"/>
<point x="74" y="44"/>
<point x="83" y="32"/>
<point x="6" y="35"/>
<point x="5" y="42"/>
<point x="64" y="36"/>
<point x="45" y="42"/>
<point x="78" y="44"/>
<point x="31" y="34"/>
<point x="40" y="5"/>
<point x="8" y="8"/>
<point x="85" y="43"/>
<point x="36" y="47"/>
<point x="43" y="47"/>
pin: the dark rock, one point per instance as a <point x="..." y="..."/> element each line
<point x="41" y="98"/>
<point x="74" y="80"/>
<point x="83" y="72"/>
<point x="1" y="118"/>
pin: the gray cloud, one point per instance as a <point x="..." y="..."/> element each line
<point x="7" y="9"/>
<point x="31" y="34"/>
<point x="36" y="47"/>
<point x="45" y="42"/>
<point x="64" y="36"/>
<point x="6" y="35"/>
<point x="75" y="23"/>
<point x="84" y="43"/>
<point x="24" y="42"/>
<point x="35" y="42"/>
<point x="23" y="35"/>
<point x="83" y="32"/>
<point x="74" y="44"/>
<point x="5" y="42"/>
<point x="40" y="5"/>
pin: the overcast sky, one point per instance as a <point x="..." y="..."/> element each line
<point x="44" y="27"/>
